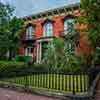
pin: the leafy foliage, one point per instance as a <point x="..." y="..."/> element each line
<point x="5" y="14"/>
<point x="16" y="68"/>
<point x="9" y="30"/>
<point x="59" y="57"/>
<point x="60" y="53"/>
<point x="15" y="27"/>
<point x="91" y="13"/>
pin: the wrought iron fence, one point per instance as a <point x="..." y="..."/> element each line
<point x="53" y="81"/>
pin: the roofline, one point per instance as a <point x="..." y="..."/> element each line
<point x="71" y="6"/>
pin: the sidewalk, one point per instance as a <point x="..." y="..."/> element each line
<point x="97" y="92"/>
<point x="6" y="94"/>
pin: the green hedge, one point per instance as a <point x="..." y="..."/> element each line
<point x="14" y="68"/>
<point x="10" y="68"/>
<point x="23" y="58"/>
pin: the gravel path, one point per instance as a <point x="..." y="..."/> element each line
<point x="6" y="94"/>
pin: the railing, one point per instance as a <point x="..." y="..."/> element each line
<point x="29" y="37"/>
<point x="53" y="81"/>
<point x="67" y="34"/>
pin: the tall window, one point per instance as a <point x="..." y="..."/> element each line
<point x="48" y="29"/>
<point x="29" y="32"/>
<point x="68" y="24"/>
<point x="29" y="51"/>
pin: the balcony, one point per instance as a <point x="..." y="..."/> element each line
<point x="68" y="34"/>
<point x="29" y="39"/>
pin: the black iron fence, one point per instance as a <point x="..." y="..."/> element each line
<point x="53" y="81"/>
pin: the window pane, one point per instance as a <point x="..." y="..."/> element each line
<point x="29" y="32"/>
<point x="29" y="51"/>
<point x="68" y="24"/>
<point x="48" y="29"/>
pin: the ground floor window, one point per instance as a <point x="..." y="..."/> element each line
<point x="29" y="51"/>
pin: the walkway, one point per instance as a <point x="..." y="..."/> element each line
<point x="97" y="93"/>
<point x="6" y="94"/>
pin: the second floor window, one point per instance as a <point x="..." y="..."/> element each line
<point x="29" y="32"/>
<point x="48" y="29"/>
<point x="68" y="25"/>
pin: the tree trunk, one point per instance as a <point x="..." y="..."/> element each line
<point x="11" y="54"/>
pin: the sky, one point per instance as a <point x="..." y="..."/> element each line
<point x="29" y="7"/>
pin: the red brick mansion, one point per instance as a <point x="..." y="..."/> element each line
<point x="41" y="28"/>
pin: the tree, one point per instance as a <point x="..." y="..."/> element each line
<point x="53" y="53"/>
<point x="15" y="27"/>
<point x="59" y="57"/>
<point x="9" y="31"/>
<point x="5" y="14"/>
<point x="90" y="10"/>
<point x="60" y="53"/>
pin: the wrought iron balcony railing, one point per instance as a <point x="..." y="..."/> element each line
<point x="29" y="37"/>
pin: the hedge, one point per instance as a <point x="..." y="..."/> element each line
<point x="24" y="58"/>
<point x="14" y="68"/>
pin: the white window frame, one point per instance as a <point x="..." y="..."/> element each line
<point x="29" y="32"/>
<point x="70" y="20"/>
<point x="28" y="51"/>
<point x="48" y="29"/>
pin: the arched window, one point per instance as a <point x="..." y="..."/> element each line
<point x="29" y="32"/>
<point x="48" y="29"/>
<point x="68" y="25"/>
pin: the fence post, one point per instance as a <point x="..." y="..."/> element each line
<point x="73" y="84"/>
<point x="26" y="77"/>
<point x="26" y="81"/>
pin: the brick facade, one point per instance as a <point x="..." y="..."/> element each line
<point x="58" y="29"/>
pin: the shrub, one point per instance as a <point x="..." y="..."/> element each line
<point x="14" y="68"/>
<point x="24" y="58"/>
<point x="10" y="68"/>
<point x="40" y="67"/>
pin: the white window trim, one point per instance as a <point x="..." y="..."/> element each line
<point x="45" y="31"/>
<point x="27" y="53"/>
<point x="29" y="32"/>
<point x="66" y="24"/>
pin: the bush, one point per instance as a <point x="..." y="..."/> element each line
<point x="10" y="68"/>
<point x="40" y="67"/>
<point x="14" y="68"/>
<point x="24" y="58"/>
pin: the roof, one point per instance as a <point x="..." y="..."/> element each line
<point x="53" y="11"/>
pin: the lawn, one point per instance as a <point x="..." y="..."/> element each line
<point x="53" y="82"/>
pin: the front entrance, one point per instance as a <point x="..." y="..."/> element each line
<point x="41" y="48"/>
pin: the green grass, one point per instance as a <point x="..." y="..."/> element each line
<point x="53" y="82"/>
